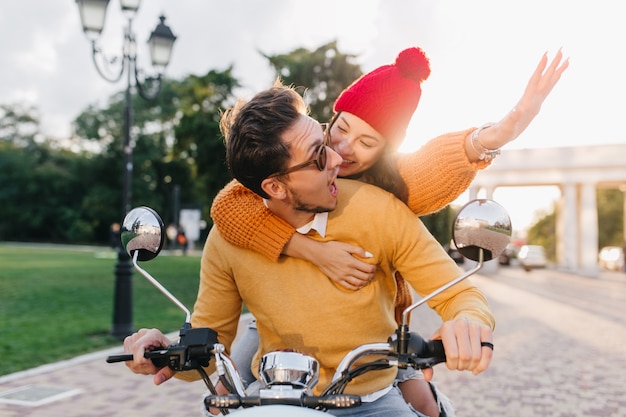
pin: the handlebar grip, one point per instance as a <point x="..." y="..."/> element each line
<point x="120" y="358"/>
<point x="426" y="353"/>
<point x="435" y="349"/>
<point x="157" y="356"/>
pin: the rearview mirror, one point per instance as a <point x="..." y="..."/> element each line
<point x="481" y="224"/>
<point x="142" y="231"/>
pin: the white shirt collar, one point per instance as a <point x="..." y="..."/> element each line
<point x="319" y="222"/>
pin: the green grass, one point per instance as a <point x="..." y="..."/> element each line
<point x="57" y="302"/>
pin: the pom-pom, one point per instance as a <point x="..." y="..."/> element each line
<point x="412" y="63"/>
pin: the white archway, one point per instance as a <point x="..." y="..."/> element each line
<point x="577" y="171"/>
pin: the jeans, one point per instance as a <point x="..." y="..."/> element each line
<point x="391" y="404"/>
<point x="242" y="355"/>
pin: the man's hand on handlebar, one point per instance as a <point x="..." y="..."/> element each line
<point x="140" y="342"/>
<point x="464" y="344"/>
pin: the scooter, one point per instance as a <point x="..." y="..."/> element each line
<point x="481" y="232"/>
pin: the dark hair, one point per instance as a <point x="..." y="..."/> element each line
<point x="384" y="174"/>
<point x="254" y="149"/>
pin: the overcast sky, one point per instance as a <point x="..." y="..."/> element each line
<point x="482" y="53"/>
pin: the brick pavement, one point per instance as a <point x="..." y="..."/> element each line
<point x="552" y="357"/>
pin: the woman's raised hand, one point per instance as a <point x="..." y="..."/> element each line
<point x="517" y="120"/>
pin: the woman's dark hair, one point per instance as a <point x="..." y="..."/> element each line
<point x="384" y="174"/>
<point x="254" y="149"/>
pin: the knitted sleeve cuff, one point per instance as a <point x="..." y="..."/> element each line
<point x="243" y="220"/>
<point x="272" y="236"/>
<point x="438" y="172"/>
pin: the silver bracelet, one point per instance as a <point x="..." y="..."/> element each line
<point x="484" y="154"/>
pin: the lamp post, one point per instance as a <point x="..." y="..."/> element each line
<point x="161" y="41"/>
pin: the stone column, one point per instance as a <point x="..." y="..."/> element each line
<point x="588" y="230"/>
<point x="473" y="193"/>
<point x="567" y="228"/>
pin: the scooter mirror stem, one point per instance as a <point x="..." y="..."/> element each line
<point x="407" y="311"/>
<point x="402" y="339"/>
<point x="161" y="288"/>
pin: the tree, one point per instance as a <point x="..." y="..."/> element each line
<point x="610" y="204"/>
<point x="54" y="194"/>
<point x="321" y="74"/>
<point x="198" y="139"/>
<point x="440" y="224"/>
<point x="41" y="194"/>
<point x="42" y="185"/>
<point x="19" y="123"/>
<point x="152" y="138"/>
<point x="543" y="233"/>
<point x="15" y="168"/>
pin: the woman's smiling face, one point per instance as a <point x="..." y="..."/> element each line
<point x="358" y="144"/>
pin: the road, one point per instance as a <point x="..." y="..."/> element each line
<point x="560" y="347"/>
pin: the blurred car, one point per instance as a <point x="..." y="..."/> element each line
<point x="611" y="258"/>
<point x="510" y="252"/>
<point x="532" y="256"/>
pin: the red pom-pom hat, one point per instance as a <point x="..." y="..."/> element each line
<point x="387" y="97"/>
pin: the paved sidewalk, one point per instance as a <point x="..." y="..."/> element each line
<point x="87" y="386"/>
<point x="90" y="387"/>
<point x="94" y="388"/>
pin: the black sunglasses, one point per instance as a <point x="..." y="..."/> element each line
<point x="321" y="157"/>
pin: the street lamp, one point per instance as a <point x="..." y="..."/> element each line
<point x="161" y="41"/>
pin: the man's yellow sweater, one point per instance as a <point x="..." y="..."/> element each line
<point x="297" y="307"/>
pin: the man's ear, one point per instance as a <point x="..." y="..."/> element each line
<point x="275" y="188"/>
